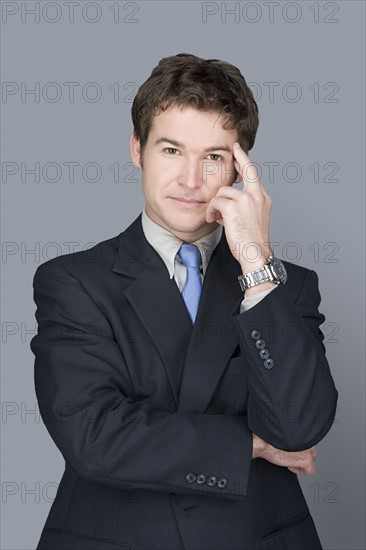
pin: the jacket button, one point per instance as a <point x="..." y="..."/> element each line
<point x="255" y="334"/>
<point x="190" y="477"/>
<point x="211" y="481"/>
<point x="260" y="344"/>
<point x="222" y="482"/>
<point x="268" y="363"/>
<point x="264" y="353"/>
<point x="201" y="478"/>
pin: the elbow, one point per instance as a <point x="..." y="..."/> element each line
<point x="312" y="427"/>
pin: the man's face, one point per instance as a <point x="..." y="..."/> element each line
<point x="188" y="157"/>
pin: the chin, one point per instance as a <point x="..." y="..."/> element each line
<point x="184" y="224"/>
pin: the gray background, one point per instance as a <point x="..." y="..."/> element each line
<point x="314" y="52"/>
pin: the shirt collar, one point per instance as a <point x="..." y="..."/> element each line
<point x="167" y="245"/>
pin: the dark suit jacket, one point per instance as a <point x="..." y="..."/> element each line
<point x="154" y="417"/>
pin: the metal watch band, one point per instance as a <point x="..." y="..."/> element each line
<point x="256" y="277"/>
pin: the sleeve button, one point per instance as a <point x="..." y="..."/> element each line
<point x="264" y="353"/>
<point x="190" y="477"/>
<point x="268" y="363"/>
<point x="222" y="482"/>
<point x="260" y="344"/>
<point x="211" y="481"/>
<point x="201" y="478"/>
<point x="255" y="334"/>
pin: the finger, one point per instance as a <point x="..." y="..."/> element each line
<point x="228" y="192"/>
<point x="294" y="470"/>
<point x="231" y="193"/>
<point x="251" y="180"/>
<point x="216" y="208"/>
<point x="309" y="466"/>
<point x="309" y="469"/>
<point x="298" y="459"/>
<point x="306" y="470"/>
<point x="246" y="168"/>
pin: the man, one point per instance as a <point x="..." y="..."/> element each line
<point x="180" y="368"/>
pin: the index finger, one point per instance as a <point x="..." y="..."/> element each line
<point x="247" y="169"/>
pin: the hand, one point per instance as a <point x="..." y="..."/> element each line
<point x="245" y="215"/>
<point x="298" y="462"/>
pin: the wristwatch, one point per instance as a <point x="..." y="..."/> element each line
<point x="273" y="270"/>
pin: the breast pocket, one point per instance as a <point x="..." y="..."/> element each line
<point x="299" y="534"/>
<point x="58" y="539"/>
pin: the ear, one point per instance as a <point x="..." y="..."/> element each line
<point x="135" y="150"/>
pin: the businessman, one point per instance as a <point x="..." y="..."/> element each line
<point x="179" y="366"/>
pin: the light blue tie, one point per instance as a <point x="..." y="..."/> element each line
<point x="191" y="258"/>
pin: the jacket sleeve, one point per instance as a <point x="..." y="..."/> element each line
<point x="105" y="435"/>
<point x="292" y="397"/>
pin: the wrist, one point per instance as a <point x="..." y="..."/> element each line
<point x="259" y="446"/>
<point x="259" y="288"/>
<point x="252" y="266"/>
<point x="248" y="265"/>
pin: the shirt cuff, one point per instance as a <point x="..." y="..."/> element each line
<point x="250" y="301"/>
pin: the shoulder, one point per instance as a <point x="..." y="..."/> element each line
<point x="90" y="263"/>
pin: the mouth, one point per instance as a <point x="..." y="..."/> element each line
<point x="187" y="202"/>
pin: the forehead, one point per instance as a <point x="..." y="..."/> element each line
<point x="190" y="123"/>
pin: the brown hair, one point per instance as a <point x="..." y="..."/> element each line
<point x="208" y="85"/>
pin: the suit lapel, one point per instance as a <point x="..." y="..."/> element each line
<point x="156" y="299"/>
<point x="194" y="357"/>
<point x="214" y="335"/>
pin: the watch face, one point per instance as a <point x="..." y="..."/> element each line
<point x="279" y="270"/>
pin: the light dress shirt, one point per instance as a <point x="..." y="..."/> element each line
<point x="167" y="245"/>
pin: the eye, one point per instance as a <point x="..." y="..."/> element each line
<point x="215" y="155"/>
<point x="170" y="149"/>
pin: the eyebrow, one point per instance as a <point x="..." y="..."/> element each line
<point x="179" y="144"/>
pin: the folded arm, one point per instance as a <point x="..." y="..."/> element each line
<point x="292" y="397"/>
<point x="82" y="385"/>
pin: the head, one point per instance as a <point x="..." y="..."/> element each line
<point x="197" y="106"/>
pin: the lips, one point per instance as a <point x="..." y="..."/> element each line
<point x="188" y="201"/>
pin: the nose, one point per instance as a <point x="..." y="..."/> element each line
<point x="191" y="174"/>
